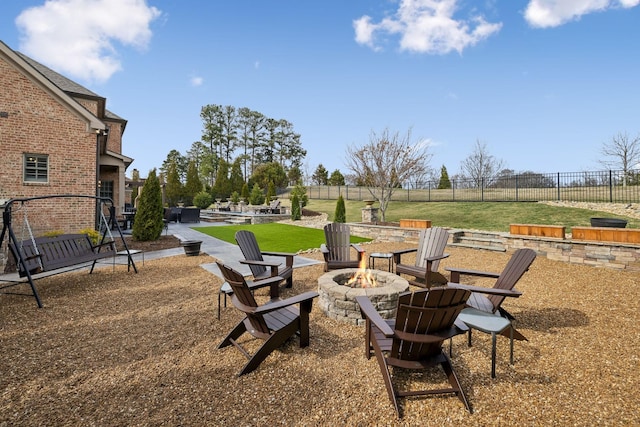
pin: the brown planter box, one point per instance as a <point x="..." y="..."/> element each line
<point x="556" y="231"/>
<point x="415" y="223"/>
<point x="607" y="234"/>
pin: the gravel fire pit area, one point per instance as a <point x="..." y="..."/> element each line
<point x="338" y="301"/>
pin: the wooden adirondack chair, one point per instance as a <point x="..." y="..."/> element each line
<point x="261" y="269"/>
<point x="490" y="299"/>
<point x="274" y="322"/>
<point x="430" y="251"/>
<point x="337" y="249"/>
<point x="413" y="340"/>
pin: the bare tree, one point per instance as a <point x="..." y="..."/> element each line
<point x="481" y="167"/>
<point x="386" y="162"/>
<point x="621" y="152"/>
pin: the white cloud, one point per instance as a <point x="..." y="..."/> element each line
<point x="197" y="81"/>
<point x="75" y="37"/>
<point x="552" y="13"/>
<point x="426" y="26"/>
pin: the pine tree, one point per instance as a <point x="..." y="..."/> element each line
<point x="193" y="185"/>
<point x="148" y="223"/>
<point x="444" y="179"/>
<point x="340" y="214"/>
<point x="256" y="197"/>
<point x="295" y="208"/>
<point x="173" y="189"/>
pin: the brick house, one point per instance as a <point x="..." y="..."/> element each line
<point x="57" y="137"/>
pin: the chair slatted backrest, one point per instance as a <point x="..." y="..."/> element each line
<point x="337" y="235"/>
<point x="251" y="251"/>
<point x="422" y="313"/>
<point x="432" y="242"/>
<point x="244" y="301"/>
<point x="519" y="263"/>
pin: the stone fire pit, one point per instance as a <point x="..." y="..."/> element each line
<point x="338" y="301"/>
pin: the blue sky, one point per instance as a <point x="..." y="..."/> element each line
<point x="543" y="83"/>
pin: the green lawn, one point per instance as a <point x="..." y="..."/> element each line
<point x="489" y="216"/>
<point x="275" y="237"/>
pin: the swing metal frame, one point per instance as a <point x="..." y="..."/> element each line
<point x="25" y="265"/>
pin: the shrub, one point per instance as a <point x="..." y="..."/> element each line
<point x="340" y="214"/>
<point x="235" y="197"/>
<point x="301" y="192"/>
<point x="94" y="235"/>
<point x="256" y="197"/>
<point x="148" y="224"/>
<point x="296" y="214"/>
<point x="202" y="200"/>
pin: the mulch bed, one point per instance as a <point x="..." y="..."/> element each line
<point x="119" y="348"/>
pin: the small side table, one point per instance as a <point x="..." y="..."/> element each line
<point x="487" y="323"/>
<point x="226" y="290"/>
<point x="377" y="255"/>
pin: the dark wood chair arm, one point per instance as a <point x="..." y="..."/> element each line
<point x="357" y="247"/>
<point x="262" y="263"/>
<point x="288" y="255"/>
<point x="457" y="272"/>
<point x="369" y="312"/>
<point x="490" y="291"/>
<point x="397" y="255"/>
<point x="271" y="280"/>
<point x="437" y="257"/>
<point x="281" y="303"/>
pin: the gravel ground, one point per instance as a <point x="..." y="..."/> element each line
<point x="118" y="348"/>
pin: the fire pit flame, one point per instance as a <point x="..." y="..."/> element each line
<point x="363" y="277"/>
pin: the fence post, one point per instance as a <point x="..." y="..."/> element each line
<point x="516" y="188"/>
<point x="482" y="189"/>
<point x="610" y="186"/>
<point x="558" y="185"/>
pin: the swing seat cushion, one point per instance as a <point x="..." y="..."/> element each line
<point x="65" y="250"/>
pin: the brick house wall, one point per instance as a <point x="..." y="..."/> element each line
<point x="38" y="117"/>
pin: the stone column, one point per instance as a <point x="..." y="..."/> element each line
<point x="370" y="214"/>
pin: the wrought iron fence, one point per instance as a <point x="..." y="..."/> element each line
<point x="594" y="186"/>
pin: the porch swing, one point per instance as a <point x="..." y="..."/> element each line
<point x="37" y="257"/>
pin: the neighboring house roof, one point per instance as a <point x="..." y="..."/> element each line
<point x="19" y="61"/>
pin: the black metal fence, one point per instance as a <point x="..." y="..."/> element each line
<point x="595" y="186"/>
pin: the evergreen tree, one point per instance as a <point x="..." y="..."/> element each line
<point x="222" y="187"/>
<point x="444" y="179"/>
<point x="300" y="191"/>
<point x="340" y="214"/>
<point x="236" y="178"/>
<point x="296" y="214"/>
<point x="336" y="178"/>
<point x="148" y="224"/>
<point x="320" y="176"/>
<point x="244" y="193"/>
<point x="256" y="197"/>
<point x="271" y="192"/>
<point x="193" y="185"/>
<point x="173" y="189"/>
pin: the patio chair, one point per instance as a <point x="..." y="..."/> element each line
<point x="261" y="269"/>
<point x="274" y="322"/>
<point x="337" y="249"/>
<point x="490" y="299"/>
<point x="430" y="251"/>
<point x="413" y="340"/>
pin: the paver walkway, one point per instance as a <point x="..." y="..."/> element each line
<point x="229" y="253"/>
